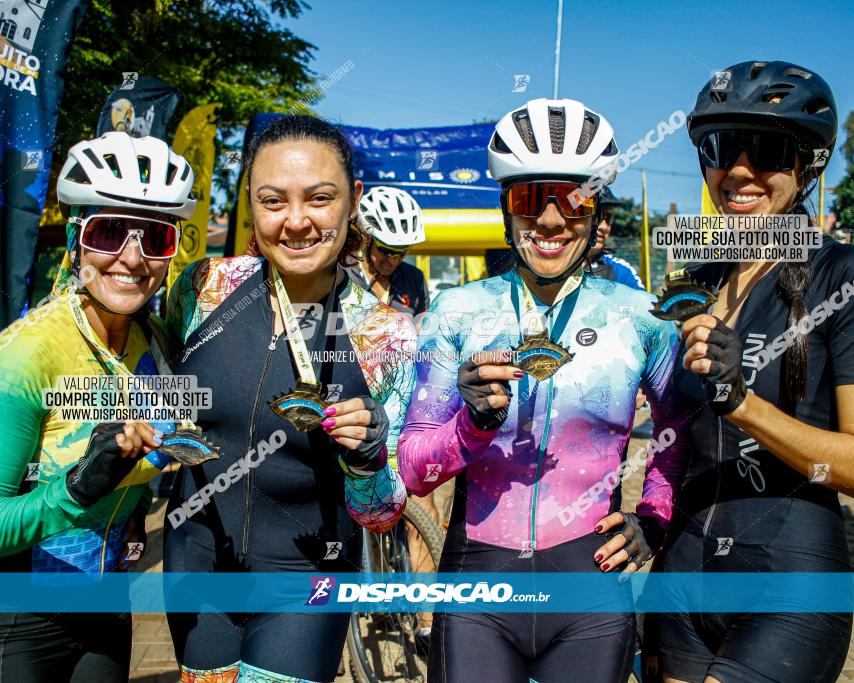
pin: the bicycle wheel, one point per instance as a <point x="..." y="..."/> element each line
<point x="382" y="645"/>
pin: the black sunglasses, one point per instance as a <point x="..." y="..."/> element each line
<point x="766" y="151"/>
<point x="389" y="251"/>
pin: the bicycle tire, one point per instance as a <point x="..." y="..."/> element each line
<point x="433" y="538"/>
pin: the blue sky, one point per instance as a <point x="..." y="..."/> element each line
<point x="447" y="62"/>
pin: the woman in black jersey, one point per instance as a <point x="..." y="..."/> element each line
<point x="286" y="495"/>
<point x="770" y="375"/>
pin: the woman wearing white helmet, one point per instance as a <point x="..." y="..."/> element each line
<point x="64" y="506"/>
<point x="393" y="220"/>
<point x="538" y="465"/>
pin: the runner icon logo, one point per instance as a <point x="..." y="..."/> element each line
<point x="724" y="546"/>
<point x="134" y="551"/>
<point x="721" y="80"/>
<point x="521" y="82"/>
<point x="527" y="551"/>
<point x="586" y="337"/>
<point x="321" y="590"/>
<point x="333" y="548"/>
<point x="33" y="160"/>
<point x="333" y="392"/>
<point x="820" y="157"/>
<point x="129" y="79"/>
<point x="33" y="470"/>
<point x="433" y="471"/>
<point x="722" y="392"/>
<point x="427" y="159"/>
<point x="820" y="473"/>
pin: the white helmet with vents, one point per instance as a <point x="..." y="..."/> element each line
<point x="117" y="170"/>
<point x="392" y="216"/>
<point x="553" y="139"/>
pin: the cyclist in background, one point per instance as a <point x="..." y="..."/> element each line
<point x="601" y="262"/>
<point x="394" y="224"/>
<point x="524" y="457"/>
<point x="60" y="508"/>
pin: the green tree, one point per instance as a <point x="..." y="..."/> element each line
<point x="628" y="219"/>
<point x="843" y="203"/>
<point x="236" y="52"/>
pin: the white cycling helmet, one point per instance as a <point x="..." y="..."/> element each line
<point x="116" y="170"/>
<point x="553" y="139"/>
<point x="392" y="216"/>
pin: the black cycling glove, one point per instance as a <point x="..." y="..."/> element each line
<point x="370" y="453"/>
<point x="474" y="392"/>
<point x="725" y="384"/>
<point x="643" y="537"/>
<point x="102" y="467"/>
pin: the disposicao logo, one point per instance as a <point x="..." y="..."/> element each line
<point x="321" y="590"/>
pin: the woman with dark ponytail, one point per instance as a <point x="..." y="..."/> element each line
<point x="769" y="374"/>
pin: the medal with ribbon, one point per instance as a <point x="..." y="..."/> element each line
<point x="539" y="355"/>
<point x="185" y="443"/>
<point x="682" y="298"/>
<point x="303" y="406"/>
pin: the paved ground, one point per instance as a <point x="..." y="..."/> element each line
<point x="153" y="659"/>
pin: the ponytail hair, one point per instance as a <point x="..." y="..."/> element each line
<point x="792" y="284"/>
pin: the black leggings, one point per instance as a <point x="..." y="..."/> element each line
<point x="306" y="646"/>
<point x="548" y="647"/>
<point x="65" y="648"/>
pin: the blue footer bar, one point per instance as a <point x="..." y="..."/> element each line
<point x="481" y="592"/>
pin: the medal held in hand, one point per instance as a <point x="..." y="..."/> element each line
<point x="303" y="407"/>
<point x="189" y="447"/>
<point x="537" y="354"/>
<point x="540" y="357"/>
<point x="186" y="444"/>
<point x="682" y="298"/>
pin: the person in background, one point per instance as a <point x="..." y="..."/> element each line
<point x="394" y="224"/>
<point x="601" y="262"/>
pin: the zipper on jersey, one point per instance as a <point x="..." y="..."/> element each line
<point x="247" y="486"/>
<point x="541" y="451"/>
<point x="711" y="512"/>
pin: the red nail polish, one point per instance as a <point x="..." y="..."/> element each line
<point x="330" y="410"/>
<point x="606" y="567"/>
<point x="598" y="529"/>
<point x="518" y="374"/>
<point x="598" y="558"/>
<point x="337" y="438"/>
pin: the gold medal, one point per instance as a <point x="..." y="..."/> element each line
<point x="682" y="299"/>
<point x="540" y="357"/>
<point x="303" y="407"/>
<point x="189" y="447"/>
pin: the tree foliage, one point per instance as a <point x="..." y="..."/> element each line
<point x="843" y="204"/>
<point x="236" y="52"/>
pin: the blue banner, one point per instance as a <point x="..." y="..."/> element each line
<point x="481" y="592"/>
<point x="35" y="38"/>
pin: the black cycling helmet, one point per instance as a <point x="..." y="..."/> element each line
<point x="607" y="200"/>
<point x="767" y="96"/>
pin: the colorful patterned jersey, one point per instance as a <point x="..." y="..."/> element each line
<point x="287" y="509"/>
<point x="41" y="527"/>
<point x="552" y="470"/>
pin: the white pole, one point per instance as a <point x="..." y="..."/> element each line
<point x="557" y="47"/>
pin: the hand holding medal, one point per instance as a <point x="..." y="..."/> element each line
<point x="484" y="384"/>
